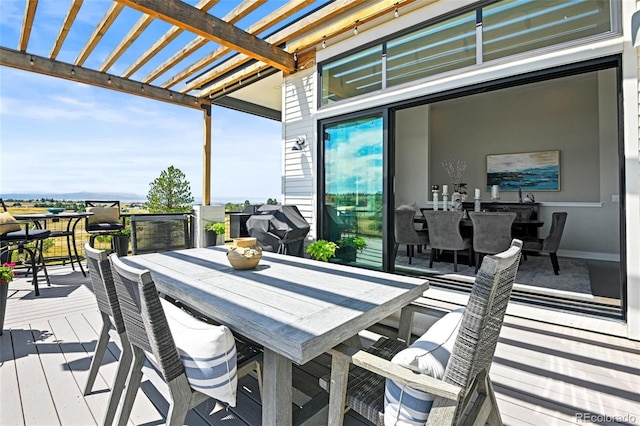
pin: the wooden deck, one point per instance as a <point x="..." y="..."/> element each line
<point x="543" y="374"/>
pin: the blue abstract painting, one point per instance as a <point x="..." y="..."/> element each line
<point x="529" y="171"/>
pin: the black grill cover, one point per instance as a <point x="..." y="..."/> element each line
<point x="280" y="229"/>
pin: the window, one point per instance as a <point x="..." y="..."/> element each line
<point x="495" y="31"/>
<point x="351" y="76"/>
<point x="515" y="26"/>
<point x="448" y="45"/>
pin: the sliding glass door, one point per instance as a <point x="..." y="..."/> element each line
<point x="353" y="181"/>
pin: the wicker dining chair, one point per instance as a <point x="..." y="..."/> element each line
<point x="452" y="359"/>
<point x="171" y="340"/>
<point x="104" y="290"/>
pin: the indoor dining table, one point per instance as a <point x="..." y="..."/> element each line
<point x="296" y="308"/>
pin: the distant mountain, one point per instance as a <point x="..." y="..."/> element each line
<point x="76" y="196"/>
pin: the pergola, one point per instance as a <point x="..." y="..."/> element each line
<point x="237" y="57"/>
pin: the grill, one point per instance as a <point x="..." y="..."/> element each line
<point x="280" y="229"/>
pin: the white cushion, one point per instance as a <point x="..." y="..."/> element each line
<point x="408" y="206"/>
<point x="103" y="215"/>
<point x="208" y="353"/>
<point x="428" y="355"/>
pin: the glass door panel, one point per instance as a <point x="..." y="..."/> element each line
<point x="353" y="182"/>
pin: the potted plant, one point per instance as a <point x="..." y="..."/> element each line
<point x="322" y="250"/>
<point x="348" y="248"/>
<point x="6" y="276"/>
<point x="214" y="234"/>
<point x="120" y="241"/>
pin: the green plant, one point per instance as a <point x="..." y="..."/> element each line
<point x="124" y="232"/>
<point x="6" y="272"/>
<point x="357" y="242"/>
<point x="217" y="227"/>
<point x="322" y="250"/>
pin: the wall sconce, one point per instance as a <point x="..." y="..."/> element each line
<point x="299" y="143"/>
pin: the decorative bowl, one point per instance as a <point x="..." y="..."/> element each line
<point x="55" y="210"/>
<point x="245" y="253"/>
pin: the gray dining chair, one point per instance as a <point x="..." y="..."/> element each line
<point x="442" y="378"/>
<point x="195" y="360"/>
<point x="406" y="233"/>
<point x="444" y="234"/>
<point x="104" y="290"/>
<point x="491" y="232"/>
<point x="549" y="245"/>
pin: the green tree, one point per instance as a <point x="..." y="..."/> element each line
<point x="171" y="192"/>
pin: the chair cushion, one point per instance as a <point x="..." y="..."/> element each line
<point x="208" y="353"/>
<point x="407" y="206"/>
<point x="427" y="355"/>
<point x="21" y="235"/>
<point x="103" y="215"/>
<point x="8" y="223"/>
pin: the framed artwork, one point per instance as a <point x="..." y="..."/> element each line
<point x="529" y="171"/>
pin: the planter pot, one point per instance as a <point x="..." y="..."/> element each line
<point x="120" y="244"/>
<point x="210" y="238"/>
<point x="347" y="254"/>
<point x="4" y="291"/>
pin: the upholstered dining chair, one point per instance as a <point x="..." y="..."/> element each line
<point x="491" y="232"/>
<point x="549" y="245"/>
<point x="406" y="233"/>
<point x="440" y="378"/>
<point x="104" y="290"/>
<point x="444" y="234"/>
<point x="105" y="219"/>
<point x="194" y="359"/>
<point x="20" y="236"/>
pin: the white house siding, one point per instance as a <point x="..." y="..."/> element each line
<point x="298" y="110"/>
<point x="300" y="116"/>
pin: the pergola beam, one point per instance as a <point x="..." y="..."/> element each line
<point x="98" y="32"/>
<point x="239" y="12"/>
<point x="163" y="41"/>
<point x="38" y="64"/>
<point x="27" y="24"/>
<point x="66" y="26"/>
<point x="132" y="35"/>
<point x="268" y="21"/>
<point x="214" y="29"/>
<point x="316" y="18"/>
<point x="374" y="11"/>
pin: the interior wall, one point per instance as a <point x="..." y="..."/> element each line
<point x="576" y="115"/>
<point x="412" y="156"/>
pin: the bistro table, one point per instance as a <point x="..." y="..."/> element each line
<point x="295" y="308"/>
<point x="69" y="232"/>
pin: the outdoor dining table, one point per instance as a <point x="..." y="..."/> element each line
<point x="296" y="308"/>
<point x="69" y="231"/>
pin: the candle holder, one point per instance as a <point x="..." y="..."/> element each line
<point x="445" y="201"/>
<point x="435" y="199"/>
<point x="476" y="204"/>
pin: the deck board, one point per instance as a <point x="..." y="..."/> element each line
<point x="542" y="374"/>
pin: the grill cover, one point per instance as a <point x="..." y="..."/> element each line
<point x="280" y="229"/>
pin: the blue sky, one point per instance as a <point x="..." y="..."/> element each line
<point x="59" y="136"/>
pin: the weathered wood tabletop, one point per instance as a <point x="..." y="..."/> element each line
<point x="296" y="308"/>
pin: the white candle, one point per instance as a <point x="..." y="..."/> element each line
<point x="477" y="193"/>
<point x="445" y="189"/>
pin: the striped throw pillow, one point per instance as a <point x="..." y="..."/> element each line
<point x="404" y="406"/>
<point x="208" y="353"/>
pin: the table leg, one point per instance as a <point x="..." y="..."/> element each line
<point x="276" y="390"/>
